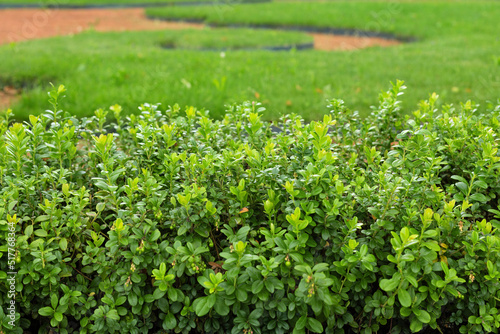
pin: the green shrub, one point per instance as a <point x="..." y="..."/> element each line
<point x="185" y="224"/>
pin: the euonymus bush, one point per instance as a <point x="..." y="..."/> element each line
<point x="173" y="222"/>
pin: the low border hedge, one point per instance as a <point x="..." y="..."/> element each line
<point x="171" y="221"/>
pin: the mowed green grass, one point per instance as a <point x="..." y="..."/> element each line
<point x="428" y="19"/>
<point x="457" y="55"/>
<point x="132" y="68"/>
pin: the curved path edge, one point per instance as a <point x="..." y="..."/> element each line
<point x="308" y="29"/>
<point x="299" y="46"/>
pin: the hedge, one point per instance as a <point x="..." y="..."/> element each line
<point x="172" y="222"/>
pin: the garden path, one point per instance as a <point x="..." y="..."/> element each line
<point x="24" y="24"/>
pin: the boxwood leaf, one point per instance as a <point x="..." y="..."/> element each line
<point x="63" y="244"/>
<point x="58" y="316"/>
<point x="158" y="293"/>
<point x="301" y="323"/>
<point x="314" y="325"/>
<point x="257" y="286"/>
<point x="46" y="311"/>
<point x="404" y="297"/>
<point x="113" y="314"/>
<point x="132" y="299"/>
<point x="389" y="284"/>
<point x="422" y="316"/>
<point x="479" y="197"/>
<point x="203" y="305"/>
<point x="41" y="233"/>
<point x="221" y="308"/>
<point x="170" y="321"/>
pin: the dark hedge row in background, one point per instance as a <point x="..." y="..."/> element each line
<point x="184" y="224"/>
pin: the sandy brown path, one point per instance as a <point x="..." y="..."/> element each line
<point x="329" y="42"/>
<point x="24" y="24"/>
<point x="8" y="95"/>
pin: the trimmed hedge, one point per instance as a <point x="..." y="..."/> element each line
<point x="184" y="224"/>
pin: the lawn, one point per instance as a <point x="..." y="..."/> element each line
<point x="456" y="54"/>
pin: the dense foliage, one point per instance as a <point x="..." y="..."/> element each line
<point x="172" y="221"/>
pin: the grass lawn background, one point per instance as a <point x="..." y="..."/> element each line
<point x="457" y="55"/>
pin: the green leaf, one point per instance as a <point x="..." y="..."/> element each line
<point x="42" y="218"/>
<point x="415" y="325"/>
<point x="58" y="316"/>
<point x="157" y="294"/>
<point x="463" y="187"/>
<point x="107" y="300"/>
<point x="170" y="321"/>
<point x="172" y="294"/>
<point x="241" y="294"/>
<point x="221" y="308"/>
<point x="481" y="184"/>
<point x="404" y="297"/>
<point x="314" y="325"/>
<point x="432" y="245"/>
<point x="156" y="234"/>
<point x="407" y="257"/>
<point x="423" y="316"/>
<point x="132" y="299"/>
<point x="113" y="314"/>
<point x="100" y="206"/>
<point x="182" y="230"/>
<point x="63" y="244"/>
<point x="54" y="300"/>
<point x="84" y="322"/>
<point x="28" y="231"/>
<point x="46" y="311"/>
<point x="390" y="284"/>
<point x="405" y="312"/>
<point x="444" y="266"/>
<point x="299" y="331"/>
<point x="203" y="305"/>
<point x="41" y="233"/>
<point x="412" y="280"/>
<point x="301" y="323"/>
<point x="479" y="197"/>
<point x="490" y="266"/>
<point x="459" y="178"/>
<point x="269" y="286"/>
<point x="149" y="298"/>
<point x="120" y="300"/>
<point x="257" y="286"/>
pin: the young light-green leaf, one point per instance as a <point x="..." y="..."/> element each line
<point x="404" y="297"/>
<point x="63" y="244"/>
<point x="46" y="311"/>
<point x="58" y="316"/>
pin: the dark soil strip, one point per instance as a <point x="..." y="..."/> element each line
<point x="129" y="5"/>
<point x="322" y="30"/>
<point x="303" y="46"/>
